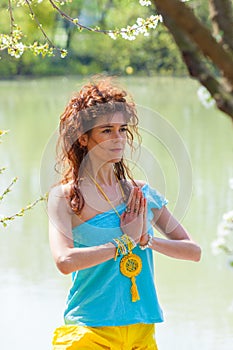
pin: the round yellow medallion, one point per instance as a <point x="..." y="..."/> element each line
<point x="130" y="265"/>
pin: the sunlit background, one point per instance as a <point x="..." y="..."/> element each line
<point x="197" y="298"/>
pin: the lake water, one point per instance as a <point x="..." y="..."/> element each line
<point x="186" y="154"/>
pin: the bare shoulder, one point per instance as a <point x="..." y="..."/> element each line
<point x="58" y="196"/>
<point x="60" y="189"/>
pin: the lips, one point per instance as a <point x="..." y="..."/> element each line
<point x="116" y="149"/>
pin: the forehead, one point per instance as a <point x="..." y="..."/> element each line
<point x="111" y="119"/>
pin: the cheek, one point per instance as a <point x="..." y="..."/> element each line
<point x="97" y="143"/>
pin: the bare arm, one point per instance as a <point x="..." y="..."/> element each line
<point x="68" y="258"/>
<point x="177" y="244"/>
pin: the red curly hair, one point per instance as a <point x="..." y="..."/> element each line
<point x="99" y="97"/>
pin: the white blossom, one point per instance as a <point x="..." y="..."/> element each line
<point x="231" y="183"/>
<point x="127" y="35"/>
<point x="228" y="217"/>
<point x="112" y="35"/>
<point x="145" y="2"/>
<point x="224" y="241"/>
<point x="142" y="26"/>
<point x="217" y="244"/>
<point x="140" y="21"/>
<point x="205" y="98"/>
<point x="17" y="50"/>
<point x="4" y="40"/>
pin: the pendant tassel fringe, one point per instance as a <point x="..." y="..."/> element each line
<point x="134" y="290"/>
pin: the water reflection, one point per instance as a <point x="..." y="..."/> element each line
<point x="197" y="298"/>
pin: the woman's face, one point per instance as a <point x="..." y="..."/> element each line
<point x="107" y="139"/>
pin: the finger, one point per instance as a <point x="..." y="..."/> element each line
<point x="136" y="203"/>
<point x="127" y="210"/>
<point x="123" y="216"/>
<point x="138" y="198"/>
<point x="145" y="207"/>
<point x="144" y="229"/>
<point x="134" y="198"/>
<point x="130" y="197"/>
<point x="131" y="202"/>
<point x="142" y="206"/>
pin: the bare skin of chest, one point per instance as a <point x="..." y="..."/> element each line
<point x="95" y="203"/>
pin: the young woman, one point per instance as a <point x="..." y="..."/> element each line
<point x="101" y="227"/>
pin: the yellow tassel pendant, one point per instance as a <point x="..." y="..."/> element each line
<point x="131" y="266"/>
<point x="134" y="290"/>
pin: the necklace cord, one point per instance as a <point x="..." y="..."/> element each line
<point x="104" y="194"/>
<point x="130" y="264"/>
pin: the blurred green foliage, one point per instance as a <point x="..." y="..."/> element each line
<point x="90" y="52"/>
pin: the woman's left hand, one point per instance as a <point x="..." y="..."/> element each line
<point x="132" y="220"/>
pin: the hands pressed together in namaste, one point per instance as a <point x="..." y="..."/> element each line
<point x="133" y="220"/>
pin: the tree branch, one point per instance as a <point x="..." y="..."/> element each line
<point x="12" y="21"/>
<point x="73" y="20"/>
<point x="198" y="70"/>
<point x="130" y="31"/>
<point x="221" y="15"/>
<point x="39" y="25"/>
<point x="22" y="211"/>
<point x="8" y="189"/>
<point x="185" y="20"/>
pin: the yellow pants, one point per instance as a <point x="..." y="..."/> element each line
<point x="133" y="337"/>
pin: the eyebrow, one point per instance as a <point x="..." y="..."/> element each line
<point x="109" y="126"/>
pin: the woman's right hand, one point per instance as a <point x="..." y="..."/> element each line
<point x="132" y="220"/>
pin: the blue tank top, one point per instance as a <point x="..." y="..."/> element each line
<point x="100" y="295"/>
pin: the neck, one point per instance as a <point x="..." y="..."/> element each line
<point x="104" y="175"/>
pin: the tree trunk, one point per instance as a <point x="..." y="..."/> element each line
<point x="194" y="41"/>
<point x="198" y="69"/>
<point x="186" y="21"/>
<point x="221" y="15"/>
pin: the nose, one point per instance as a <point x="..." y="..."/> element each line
<point x="117" y="136"/>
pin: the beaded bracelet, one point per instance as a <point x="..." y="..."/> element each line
<point x="124" y="244"/>
<point x="128" y="241"/>
<point x="148" y="244"/>
<point x="121" y="249"/>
